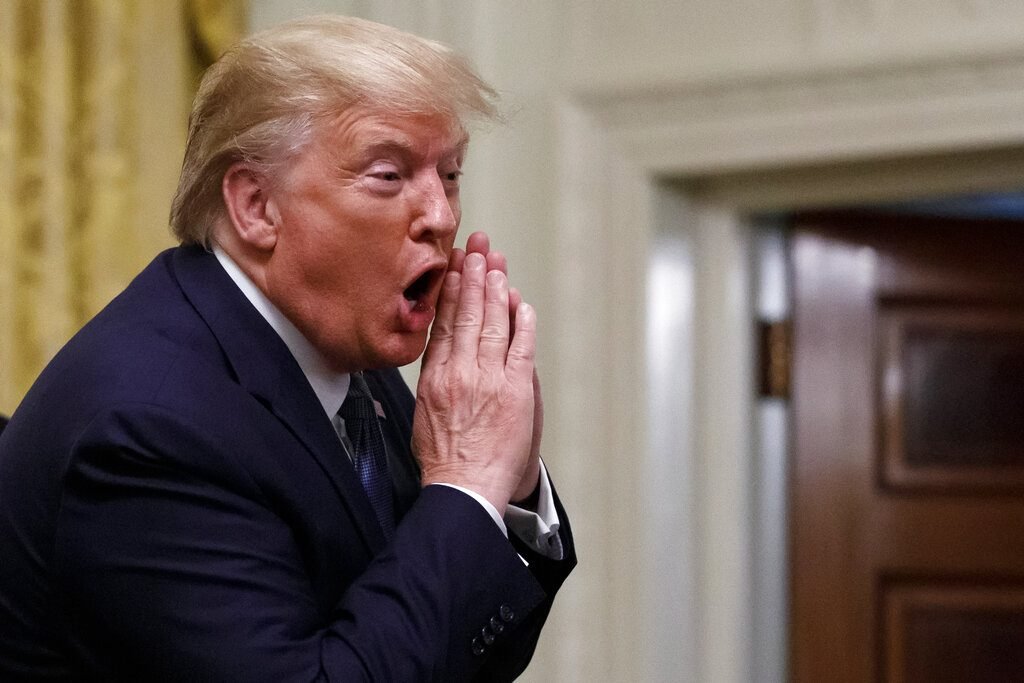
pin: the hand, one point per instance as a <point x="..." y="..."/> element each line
<point x="474" y="419"/>
<point x="479" y="243"/>
<point x="531" y="476"/>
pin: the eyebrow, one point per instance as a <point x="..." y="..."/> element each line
<point x="386" y="148"/>
<point x="408" y="149"/>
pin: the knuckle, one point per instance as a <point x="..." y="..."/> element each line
<point x="493" y="332"/>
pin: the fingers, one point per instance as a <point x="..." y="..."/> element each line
<point x="514" y="299"/>
<point x="469" y="316"/>
<point x="467" y="319"/>
<point x="496" y="261"/>
<point x="522" y="350"/>
<point x="476" y="422"/>
<point x="478" y="243"/>
<point x="494" y="333"/>
<point x="456" y="260"/>
<point x="439" y="346"/>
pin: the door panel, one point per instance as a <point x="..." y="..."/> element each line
<point x="907" y="493"/>
<point x="961" y="632"/>
<point x="952" y="398"/>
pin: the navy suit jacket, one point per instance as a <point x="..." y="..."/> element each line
<point x="175" y="505"/>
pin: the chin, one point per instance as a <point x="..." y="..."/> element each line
<point x="411" y="357"/>
<point x="406" y="350"/>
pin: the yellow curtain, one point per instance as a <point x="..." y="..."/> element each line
<point x="94" y="97"/>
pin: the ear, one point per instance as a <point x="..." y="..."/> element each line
<point x="249" y="208"/>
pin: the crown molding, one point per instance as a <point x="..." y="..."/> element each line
<point x="696" y="129"/>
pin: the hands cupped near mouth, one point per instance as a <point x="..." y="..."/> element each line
<point x="478" y="408"/>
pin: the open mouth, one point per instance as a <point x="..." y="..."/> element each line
<point x="418" y="293"/>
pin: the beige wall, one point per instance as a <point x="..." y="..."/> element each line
<point x="615" y="44"/>
<point x="641" y="134"/>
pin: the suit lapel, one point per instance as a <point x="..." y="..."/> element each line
<point x="266" y="369"/>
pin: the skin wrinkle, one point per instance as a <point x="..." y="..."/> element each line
<point x="390" y="185"/>
<point x="341" y="252"/>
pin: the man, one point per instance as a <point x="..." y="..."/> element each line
<point x="213" y="480"/>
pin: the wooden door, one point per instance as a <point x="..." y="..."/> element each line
<point x="907" y="479"/>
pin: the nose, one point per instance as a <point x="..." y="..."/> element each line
<point x="437" y="211"/>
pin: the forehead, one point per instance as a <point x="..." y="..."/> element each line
<point x="359" y="132"/>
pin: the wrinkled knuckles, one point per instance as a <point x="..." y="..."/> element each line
<point x="467" y="319"/>
<point x="493" y="334"/>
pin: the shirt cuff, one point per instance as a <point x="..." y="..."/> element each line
<point x="538" y="530"/>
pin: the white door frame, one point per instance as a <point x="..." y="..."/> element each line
<point x="654" y="418"/>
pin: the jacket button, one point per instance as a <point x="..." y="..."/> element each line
<point x="496" y="625"/>
<point x="478" y="647"/>
<point x="506" y="614"/>
<point x="486" y="636"/>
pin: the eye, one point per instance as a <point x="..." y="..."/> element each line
<point x="384" y="178"/>
<point x="451" y="179"/>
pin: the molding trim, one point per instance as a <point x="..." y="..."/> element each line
<point x="634" y="166"/>
<point x="747" y="123"/>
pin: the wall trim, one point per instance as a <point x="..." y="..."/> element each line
<point x="767" y="122"/>
<point x="635" y="167"/>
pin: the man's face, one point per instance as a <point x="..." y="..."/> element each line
<point x="367" y="217"/>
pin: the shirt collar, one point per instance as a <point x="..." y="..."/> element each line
<point x="330" y="387"/>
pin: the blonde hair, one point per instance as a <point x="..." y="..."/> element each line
<point x="261" y="101"/>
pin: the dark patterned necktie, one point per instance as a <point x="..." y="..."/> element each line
<point x="361" y="426"/>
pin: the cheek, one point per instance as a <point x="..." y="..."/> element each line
<point x="366" y="276"/>
<point x="456" y="206"/>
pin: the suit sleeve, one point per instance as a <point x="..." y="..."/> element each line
<point x="174" y="564"/>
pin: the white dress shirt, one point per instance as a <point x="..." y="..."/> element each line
<point x="539" y="529"/>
